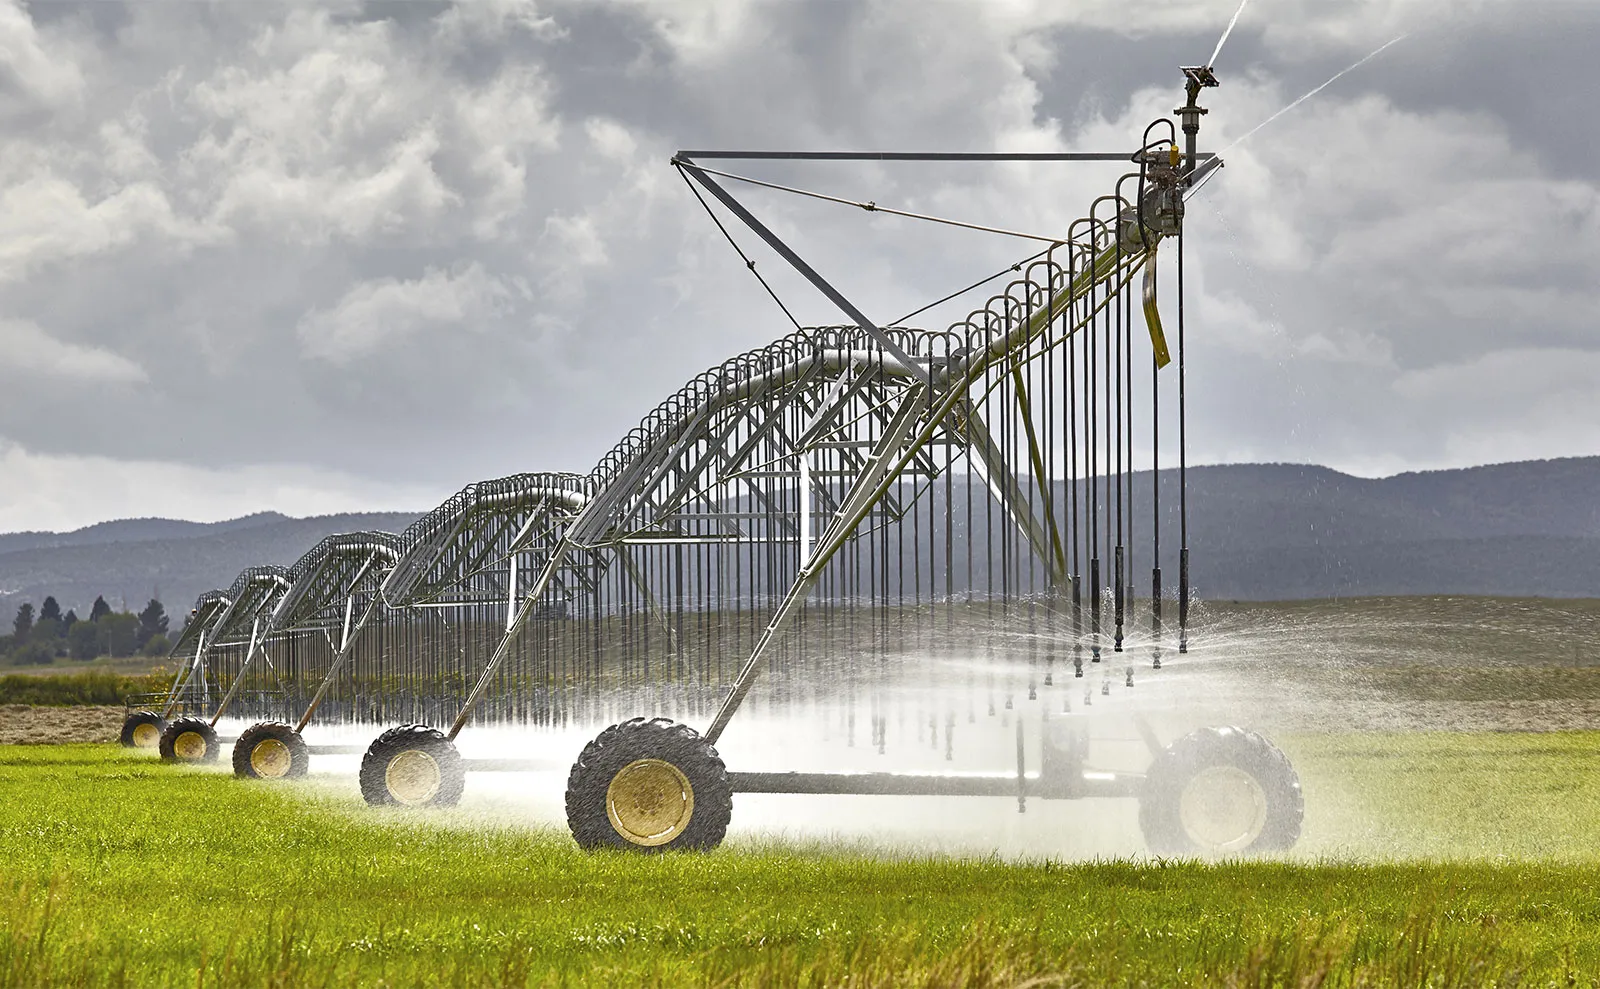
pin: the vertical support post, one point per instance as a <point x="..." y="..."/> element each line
<point x="886" y="461"/>
<point x="519" y="619"/>
<point x="1183" y="475"/>
<point x="511" y="593"/>
<point x="183" y="681"/>
<point x="1022" y="777"/>
<point x="805" y="506"/>
<point x="238" y="681"/>
<point x="347" y="641"/>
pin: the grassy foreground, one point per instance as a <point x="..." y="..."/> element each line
<point x="115" y="870"/>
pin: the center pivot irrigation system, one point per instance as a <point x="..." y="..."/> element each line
<point x="839" y="516"/>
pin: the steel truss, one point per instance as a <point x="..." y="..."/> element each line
<point x="839" y="482"/>
<point x="222" y="621"/>
<point x="818" y="512"/>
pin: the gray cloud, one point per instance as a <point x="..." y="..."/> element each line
<point x="396" y="247"/>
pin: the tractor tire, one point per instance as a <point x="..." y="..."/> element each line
<point x="270" y="750"/>
<point x="412" y="766"/>
<point x="142" y="730"/>
<point x="190" y="740"/>
<point x="1221" y="791"/>
<point x="649" y="786"/>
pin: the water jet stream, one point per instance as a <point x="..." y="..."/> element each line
<point x="1225" y="32"/>
<point x="1334" y="78"/>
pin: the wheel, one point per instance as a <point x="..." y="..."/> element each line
<point x="414" y="766"/>
<point x="142" y="730"/>
<point x="649" y="786"/>
<point x="270" y="750"/>
<point x="1221" y="791"/>
<point x="189" y="740"/>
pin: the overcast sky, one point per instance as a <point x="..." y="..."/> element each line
<point x="353" y="256"/>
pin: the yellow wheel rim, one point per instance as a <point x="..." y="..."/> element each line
<point x="270" y="759"/>
<point x="413" y="777"/>
<point x="650" y="802"/>
<point x="189" y="746"/>
<point x="146" y="736"/>
<point x="1223" y="809"/>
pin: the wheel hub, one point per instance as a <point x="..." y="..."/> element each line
<point x="190" y="746"/>
<point x="146" y="736"/>
<point x="413" y="777"/>
<point x="1223" y="809"/>
<point x="650" y="802"/>
<point x="271" y="759"/>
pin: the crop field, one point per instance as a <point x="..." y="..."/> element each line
<point x="1429" y="859"/>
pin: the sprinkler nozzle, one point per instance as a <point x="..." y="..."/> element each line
<point x="1199" y="77"/>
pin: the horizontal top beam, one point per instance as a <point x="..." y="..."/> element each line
<point x="922" y="155"/>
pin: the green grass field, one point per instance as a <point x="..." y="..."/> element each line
<point x="1435" y="859"/>
<point x="85" y="687"/>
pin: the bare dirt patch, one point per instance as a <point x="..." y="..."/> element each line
<point x="23" y="724"/>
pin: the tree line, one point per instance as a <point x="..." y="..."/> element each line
<point x="39" y="638"/>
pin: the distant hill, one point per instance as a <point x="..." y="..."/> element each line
<point x="133" y="558"/>
<point x="1256" y="531"/>
<point x="1273" y="531"/>
<point x="133" y="531"/>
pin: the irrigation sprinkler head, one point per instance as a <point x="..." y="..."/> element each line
<point x="1197" y="77"/>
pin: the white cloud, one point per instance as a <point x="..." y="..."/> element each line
<point x="493" y="20"/>
<point x="358" y="236"/>
<point x="31" y="351"/>
<point x="610" y="138"/>
<point x="28" y="62"/>
<point x="700" y="30"/>
<point x="382" y="312"/>
<point x="57" y="492"/>
<point x="1517" y="403"/>
<point x="501" y="127"/>
<point x="45" y="219"/>
<point x="326" y="145"/>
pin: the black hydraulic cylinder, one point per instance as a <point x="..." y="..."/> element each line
<point x="1155" y="617"/>
<point x="1118" y="597"/>
<point x="1183" y="600"/>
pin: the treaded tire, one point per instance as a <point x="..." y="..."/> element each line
<point x="394" y="757"/>
<point x="178" y="744"/>
<point x="1231" y="751"/>
<point x="288" y="759"/>
<point x="620" y="746"/>
<point x="140" y="719"/>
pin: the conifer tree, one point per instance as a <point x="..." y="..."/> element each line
<point x="22" y="625"/>
<point x="152" y="622"/>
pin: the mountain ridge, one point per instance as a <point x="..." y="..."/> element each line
<point x="1257" y="531"/>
